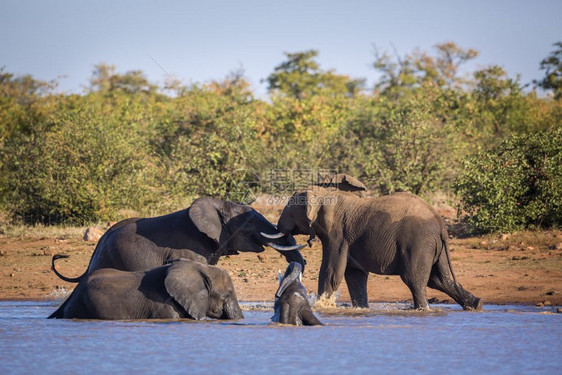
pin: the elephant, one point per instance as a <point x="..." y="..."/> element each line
<point x="180" y="289"/>
<point x="397" y="234"/>
<point x="210" y="228"/>
<point x="291" y="303"/>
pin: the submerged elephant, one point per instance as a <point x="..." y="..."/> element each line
<point x="398" y="234"/>
<point x="182" y="289"/>
<point x="210" y="228"/>
<point x="291" y="303"/>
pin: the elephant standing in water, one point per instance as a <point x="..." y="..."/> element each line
<point x="398" y="234"/>
<point x="210" y="228"/>
<point x="291" y="303"/>
<point x="182" y="289"/>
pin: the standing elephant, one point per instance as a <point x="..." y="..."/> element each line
<point x="291" y="303"/>
<point x="398" y="234"/>
<point x="210" y="228"/>
<point x="182" y="289"/>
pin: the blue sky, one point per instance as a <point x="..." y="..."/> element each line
<point x="203" y="40"/>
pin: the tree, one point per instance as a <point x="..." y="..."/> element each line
<point x="24" y="103"/>
<point x="301" y="77"/>
<point x="552" y="65"/>
<point x="106" y="80"/>
<point x="401" y="75"/>
<point x="444" y="67"/>
<point x="499" y="101"/>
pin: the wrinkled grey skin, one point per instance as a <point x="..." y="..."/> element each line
<point x="398" y="234"/>
<point x="182" y="289"/>
<point x="291" y="303"/>
<point x="209" y="228"/>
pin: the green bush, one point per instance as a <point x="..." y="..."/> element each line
<point x="127" y="144"/>
<point x="84" y="167"/>
<point x="517" y="185"/>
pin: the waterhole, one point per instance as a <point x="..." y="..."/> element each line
<point x="386" y="338"/>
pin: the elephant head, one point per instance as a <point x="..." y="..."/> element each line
<point x="202" y="290"/>
<point x="304" y="207"/>
<point x="237" y="227"/>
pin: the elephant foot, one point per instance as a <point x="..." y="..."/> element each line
<point x="360" y="306"/>
<point x="474" y="305"/>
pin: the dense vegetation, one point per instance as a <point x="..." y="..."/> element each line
<point x="129" y="144"/>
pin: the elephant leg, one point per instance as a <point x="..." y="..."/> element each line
<point x="415" y="274"/>
<point x="356" y="280"/>
<point x="440" y="280"/>
<point x="418" y="293"/>
<point x="332" y="269"/>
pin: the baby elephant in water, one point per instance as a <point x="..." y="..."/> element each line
<point x="291" y="305"/>
<point x="181" y="289"/>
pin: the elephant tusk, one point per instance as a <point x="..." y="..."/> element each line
<point x="273" y="236"/>
<point x="285" y="248"/>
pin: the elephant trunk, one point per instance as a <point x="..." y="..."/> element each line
<point x="293" y="273"/>
<point x="295" y="256"/>
<point x="311" y="236"/>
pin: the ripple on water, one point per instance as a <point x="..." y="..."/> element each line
<point x="388" y="337"/>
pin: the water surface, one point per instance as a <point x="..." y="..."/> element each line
<point x="383" y="339"/>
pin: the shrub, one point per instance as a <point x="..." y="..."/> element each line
<point x="517" y="185"/>
<point x="84" y="167"/>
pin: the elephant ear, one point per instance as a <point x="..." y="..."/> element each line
<point x="342" y="182"/>
<point x="206" y="215"/>
<point x="189" y="286"/>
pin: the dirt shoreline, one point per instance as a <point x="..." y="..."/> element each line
<point x="522" y="268"/>
<point x="519" y="268"/>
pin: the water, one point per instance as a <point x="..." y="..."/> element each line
<point x="384" y="339"/>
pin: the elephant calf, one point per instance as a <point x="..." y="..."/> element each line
<point x="291" y="305"/>
<point x="181" y="289"/>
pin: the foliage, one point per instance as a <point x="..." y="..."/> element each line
<point x="516" y="185"/>
<point x="552" y="65"/>
<point x="401" y="76"/>
<point x="407" y="148"/>
<point x="23" y="103"/>
<point x="127" y="143"/>
<point x="85" y="167"/>
<point x="301" y="77"/>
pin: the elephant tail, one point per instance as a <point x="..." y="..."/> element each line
<point x="67" y="279"/>
<point x="445" y="243"/>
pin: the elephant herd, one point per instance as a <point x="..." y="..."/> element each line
<point x="164" y="267"/>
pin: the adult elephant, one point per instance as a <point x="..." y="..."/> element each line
<point x="183" y="289"/>
<point x="291" y="303"/>
<point x="210" y="228"/>
<point x="398" y="234"/>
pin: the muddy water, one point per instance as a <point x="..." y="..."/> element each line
<point x="384" y="339"/>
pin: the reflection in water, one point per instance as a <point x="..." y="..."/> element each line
<point x="383" y="339"/>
